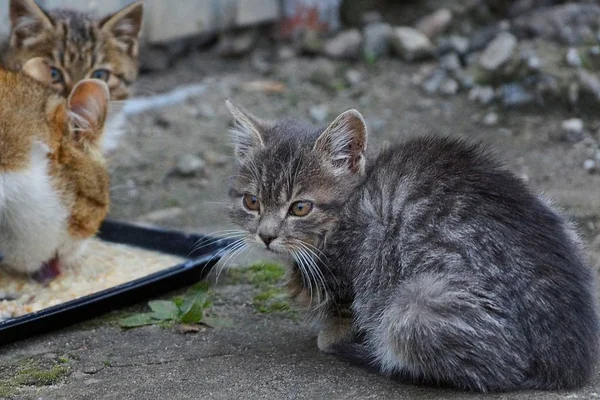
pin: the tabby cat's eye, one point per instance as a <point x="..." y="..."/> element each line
<point x="56" y="75"/>
<point x="251" y="202"/>
<point x="101" y="74"/>
<point x="301" y="208"/>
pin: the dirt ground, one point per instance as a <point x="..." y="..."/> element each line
<point x="264" y="356"/>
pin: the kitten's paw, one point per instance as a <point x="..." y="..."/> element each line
<point x="333" y="333"/>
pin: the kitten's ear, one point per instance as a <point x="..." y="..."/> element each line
<point x="247" y="133"/>
<point x="126" y="23"/>
<point x="29" y="23"/>
<point x="88" y="106"/>
<point x="38" y="69"/>
<point x="344" y="143"/>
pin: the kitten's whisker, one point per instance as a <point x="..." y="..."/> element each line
<point x="223" y="262"/>
<point x="305" y="278"/>
<point x="311" y="250"/>
<point x="310" y="273"/>
<point x="202" y="244"/>
<point x="223" y="252"/>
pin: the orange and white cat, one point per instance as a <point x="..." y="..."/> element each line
<point x="77" y="45"/>
<point x="54" y="185"/>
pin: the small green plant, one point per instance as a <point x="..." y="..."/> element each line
<point x="187" y="309"/>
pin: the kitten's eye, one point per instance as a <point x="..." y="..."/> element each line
<point x="301" y="208"/>
<point x="56" y="75"/>
<point x="251" y="202"/>
<point x="101" y="74"/>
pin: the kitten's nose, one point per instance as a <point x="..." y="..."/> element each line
<point x="267" y="239"/>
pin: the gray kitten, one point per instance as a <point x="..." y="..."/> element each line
<point x="431" y="262"/>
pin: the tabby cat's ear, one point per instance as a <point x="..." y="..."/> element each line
<point x="88" y="106"/>
<point x="29" y="23"/>
<point x="344" y="143"/>
<point x="247" y="132"/>
<point x="125" y="24"/>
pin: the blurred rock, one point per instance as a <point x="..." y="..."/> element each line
<point x="572" y="58"/>
<point x="589" y="166"/>
<point x="434" y="24"/>
<point x="237" y="44"/>
<point x="589" y="84"/>
<point x="319" y="113"/>
<point x="482" y="94"/>
<point x="449" y="87"/>
<point x="573" y="23"/>
<point x="482" y="37"/>
<point x="285" y="53"/>
<point x="189" y="165"/>
<point x="312" y="43"/>
<point x="450" y="62"/>
<point x="465" y="79"/>
<point x="410" y="44"/>
<point x="353" y="77"/>
<point x="345" y="45"/>
<point x="573" y="126"/>
<point x="498" y="52"/>
<point x="514" y="94"/>
<point x="433" y="83"/>
<point x="490" y="119"/>
<point x="377" y="40"/>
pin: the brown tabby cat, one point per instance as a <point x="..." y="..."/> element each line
<point x="77" y="46"/>
<point x="54" y="187"/>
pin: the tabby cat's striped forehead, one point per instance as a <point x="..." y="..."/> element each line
<point x="77" y="45"/>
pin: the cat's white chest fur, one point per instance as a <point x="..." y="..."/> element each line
<point x="33" y="221"/>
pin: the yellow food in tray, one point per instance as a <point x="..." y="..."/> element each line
<point x="104" y="265"/>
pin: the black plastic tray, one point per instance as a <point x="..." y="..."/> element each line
<point x="165" y="241"/>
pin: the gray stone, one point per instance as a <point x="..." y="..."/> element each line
<point x="533" y="62"/>
<point x="410" y="44"/>
<point x="449" y="87"/>
<point x="285" y="53"/>
<point x="345" y="45"/>
<point x="465" y="80"/>
<point x="490" y="119"/>
<point x="498" y="52"/>
<point x="460" y="44"/>
<point x="589" y="165"/>
<point x="433" y="83"/>
<point x="237" y="44"/>
<point x="353" y="77"/>
<point x="589" y="83"/>
<point x="573" y="126"/>
<point x="573" y="23"/>
<point x="514" y="94"/>
<point x="189" y="165"/>
<point x="319" y="113"/>
<point x="482" y="37"/>
<point x="377" y="40"/>
<point x="594" y="51"/>
<point x="450" y="62"/>
<point x="572" y="57"/>
<point x="435" y="23"/>
<point x="482" y="94"/>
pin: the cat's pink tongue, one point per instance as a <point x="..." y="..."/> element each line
<point x="48" y="271"/>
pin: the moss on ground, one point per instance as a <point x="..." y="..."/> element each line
<point x="33" y="372"/>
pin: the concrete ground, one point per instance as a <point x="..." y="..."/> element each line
<point x="272" y="355"/>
